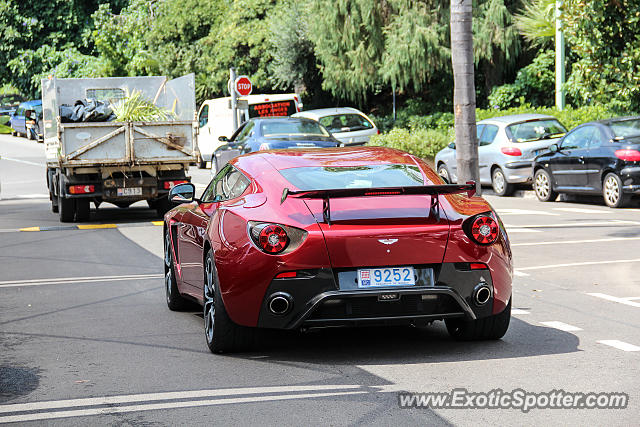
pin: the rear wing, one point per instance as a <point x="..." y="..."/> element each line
<point x="433" y="190"/>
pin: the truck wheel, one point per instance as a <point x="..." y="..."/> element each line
<point x="488" y="328"/>
<point x="54" y="203"/>
<point x="82" y="210"/>
<point x="66" y="209"/>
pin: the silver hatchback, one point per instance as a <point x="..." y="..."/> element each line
<point x="506" y="148"/>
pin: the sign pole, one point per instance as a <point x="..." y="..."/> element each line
<point x="234" y="98"/>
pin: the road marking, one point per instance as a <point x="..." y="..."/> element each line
<point x="580" y="210"/>
<point x="221" y="397"/>
<point x="519" y="273"/>
<point x="95" y="226"/>
<point x="502" y="212"/>
<point x="71" y="280"/>
<point x="620" y="345"/>
<point x="574" y="224"/>
<point x="575" y="264"/>
<point x="521" y="230"/>
<point x="83" y="227"/>
<point x="561" y="326"/>
<point x="519" y="311"/>
<point x="625" y="301"/>
<point x="26" y="162"/>
<point x="612" y="239"/>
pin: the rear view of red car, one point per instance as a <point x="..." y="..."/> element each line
<point x="291" y="239"/>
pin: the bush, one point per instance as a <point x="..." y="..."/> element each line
<point x="424" y="143"/>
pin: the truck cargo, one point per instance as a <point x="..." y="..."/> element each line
<point x="120" y="162"/>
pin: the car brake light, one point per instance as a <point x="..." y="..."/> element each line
<point x="478" y="266"/>
<point x="628" y="155"/>
<point x="287" y="275"/>
<point x="168" y="185"/>
<point x="81" y="189"/>
<point x="378" y="130"/>
<point x="484" y="230"/>
<point x="511" y="151"/>
<point x="270" y="238"/>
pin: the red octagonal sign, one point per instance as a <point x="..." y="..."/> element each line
<point x="243" y="86"/>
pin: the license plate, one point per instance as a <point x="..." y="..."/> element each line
<point x="391" y="276"/>
<point x="130" y="191"/>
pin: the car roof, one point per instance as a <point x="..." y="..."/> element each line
<point x="32" y="102"/>
<point x="614" y="120"/>
<point x="321" y="112"/>
<point x="515" y="118"/>
<point x="323" y="157"/>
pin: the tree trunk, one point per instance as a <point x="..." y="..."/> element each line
<point x="464" y="92"/>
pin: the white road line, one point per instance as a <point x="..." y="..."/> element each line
<point x="26" y="162"/>
<point x="625" y="301"/>
<point x="561" y="326"/>
<point x="519" y="311"/>
<point x="620" y="345"/>
<point x="522" y="230"/>
<point x="632" y="298"/>
<point x="27" y="196"/>
<point x="563" y="242"/>
<point x="69" y="280"/>
<point x="575" y="264"/>
<point x="505" y="211"/>
<point x="519" y="273"/>
<point x="573" y="224"/>
<point x="579" y="210"/>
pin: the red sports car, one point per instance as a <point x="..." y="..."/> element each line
<point x="293" y="239"/>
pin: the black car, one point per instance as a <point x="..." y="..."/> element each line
<point x="601" y="157"/>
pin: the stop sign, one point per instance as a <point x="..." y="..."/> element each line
<point x="243" y="86"/>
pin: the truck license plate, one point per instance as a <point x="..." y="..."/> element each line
<point x="130" y="191"/>
<point x="392" y="276"/>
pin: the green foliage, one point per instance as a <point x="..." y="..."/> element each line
<point x="424" y="143"/>
<point x="135" y="108"/>
<point x="536" y="21"/>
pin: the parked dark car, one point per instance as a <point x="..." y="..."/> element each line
<point x="601" y="157"/>
<point x="18" y="121"/>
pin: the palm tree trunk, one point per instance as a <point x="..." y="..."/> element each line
<point x="464" y="92"/>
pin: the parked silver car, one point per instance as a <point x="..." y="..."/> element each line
<point x="506" y="148"/>
<point x="346" y="124"/>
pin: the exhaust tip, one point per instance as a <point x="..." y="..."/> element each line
<point x="481" y="294"/>
<point x="280" y="303"/>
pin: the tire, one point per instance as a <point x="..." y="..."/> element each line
<point x="162" y="206"/>
<point x="612" y="191"/>
<point x="54" y="203"/>
<point x="82" y="210"/>
<point x="543" y="187"/>
<point x="222" y="335"/>
<point x="66" y="209"/>
<point x="499" y="183"/>
<point x="444" y="173"/>
<point x="175" y="301"/>
<point x="488" y="328"/>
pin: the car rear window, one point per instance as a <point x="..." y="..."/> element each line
<point x="345" y="123"/>
<point x="292" y="128"/>
<point x="535" y="130"/>
<point x="626" y="128"/>
<point x="367" y="176"/>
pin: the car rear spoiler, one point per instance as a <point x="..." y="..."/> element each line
<point x="433" y="190"/>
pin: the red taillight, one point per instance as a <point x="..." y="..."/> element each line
<point x="628" y="155"/>
<point x="82" y="189"/>
<point x="273" y="239"/>
<point x="378" y="130"/>
<point x="484" y="230"/>
<point x="168" y="185"/>
<point x="287" y="275"/>
<point x="478" y="266"/>
<point x="511" y="151"/>
<point x="382" y="193"/>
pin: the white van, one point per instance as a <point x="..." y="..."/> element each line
<point x="215" y="117"/>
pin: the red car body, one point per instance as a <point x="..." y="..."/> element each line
<point x="317" y="273"/>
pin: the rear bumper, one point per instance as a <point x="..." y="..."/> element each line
<point x="324" y="298"/>
<point x="518" y="172"/>
<point x="630" y="177"/>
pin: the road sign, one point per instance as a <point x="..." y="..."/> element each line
<point x="243" y="86"/>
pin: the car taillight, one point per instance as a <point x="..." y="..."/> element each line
<point x="484" y="230"/>
<point x="628" y="155"/>
<point x="275" y="238"/>
<point x="168" y="185"/>
<point x="378" y="130"/>
<point x="82" y="189"/>
<point x="511" y="151"/>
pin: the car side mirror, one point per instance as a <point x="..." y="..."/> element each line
<point x="223" y="139"/>
<point x="554" y="148"/>
<point x="182" y="193"/>
<point x="452" y="145"/>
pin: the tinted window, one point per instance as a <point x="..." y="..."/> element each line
<point x="292" y="128"/>
<point x="479" y="129"/>
<point x="231" y="185"/>
<point x="204" y="116"/>
<point x="272" y="109"/>
<point x="598" y="138"/>
<point x="209" y="193"/>
<point x="323" y="178"/>
<point x="626" y="128"/>
<point x="534" y="130"/>
<point x="345" y="123"/>
<point x="20" y="111"/>
<point x="579" y="138"/>
<point x="489" y="134"/>
<point x="245" y="132"/>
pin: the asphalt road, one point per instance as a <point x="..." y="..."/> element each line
<point x="86" y="337"/>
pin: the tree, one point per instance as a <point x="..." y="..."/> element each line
<point x="464" y="95"/>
